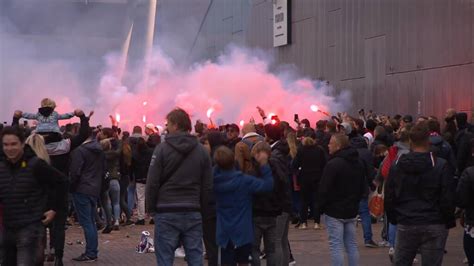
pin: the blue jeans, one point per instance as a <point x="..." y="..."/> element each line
<point x="342" y="234"/>
<point x="366" y="219"/>
<point x="114" y="194"/>
<point x="392" y="234"/>
<point x="131" y="196"/>
<point x="86" y="208"/>
<point x="171" y="229"/>
<point x="18" y="246"/>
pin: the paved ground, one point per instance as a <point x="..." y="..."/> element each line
<point x="309" y="247"/>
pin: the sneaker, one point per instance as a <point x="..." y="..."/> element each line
<point x="303" y="226"/>
<point x="292" y="262"/>
<point x="391" y="254"/>
<point x="140" y="222"/>
<point x="179" y="253"/>
<point x="100" y="226"/>
<point x="116" y="227"/>
<point x="107" y="229"/>
<point x="384" y="244"/>
<point x="318" y="226"/>
<point x="262" y="256"/>
<point x="371" y="244"/>
<point x="151" y="221"/>
<point x="84" y="258"/>
<point x="465" y="261"/>
<point x="415" y="261"/>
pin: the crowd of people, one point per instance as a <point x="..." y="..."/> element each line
<point x="237" y="189"/>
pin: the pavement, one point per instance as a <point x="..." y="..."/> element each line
<point x="309" y="247"/>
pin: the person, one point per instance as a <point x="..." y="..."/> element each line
<point x="310" y="159"/>
<point x="29" y="198"/>
<point x="87" y="170"/>
<point x="48" y="118"/>
<point x="141" y="158"/>
<point x="178" y="187"/>
<point x="232" y="134"/>
<point x="343" y="186"/>
<point x="419" y="200"/>
<point x="242" y="149"/>
<point x="234" y="191"/>
<point x="370" y="124"/>
<point x="465" y="200"/>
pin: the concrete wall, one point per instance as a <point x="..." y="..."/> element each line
<point x="396" y="56"/>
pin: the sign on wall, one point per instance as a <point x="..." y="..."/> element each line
<point x="281" y="22"/>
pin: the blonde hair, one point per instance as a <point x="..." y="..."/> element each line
<point x="308" y="141"/>
<point x="105" y="144"/>
<point x="291" y="139"/>
<point x="36" y="142"/>
<point x="47" y="102"/>
<point x="261" y="146"/>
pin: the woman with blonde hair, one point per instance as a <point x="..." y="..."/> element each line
<point x="36" y="143"/>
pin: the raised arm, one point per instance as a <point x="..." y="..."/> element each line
<point x="66" y="116"/>
<point x="83" y="130"/>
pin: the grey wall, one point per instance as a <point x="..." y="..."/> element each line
<point x="396" y="56"/>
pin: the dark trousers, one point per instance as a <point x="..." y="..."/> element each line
<point x="469" y="248"/>
<point x="430" y="240"/>
<point x="309" y="198"/>
<point x="265" y="227"/>
<point x="19" y="246"/>
<point x="209" y="237"/>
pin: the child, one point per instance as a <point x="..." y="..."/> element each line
<point x="48" y="119"/>
<point x="234" y="192"/>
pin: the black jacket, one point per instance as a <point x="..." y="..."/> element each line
<point x="465" y="156"/>
<point x="419" y="191"/>
<point x="28" y="188"/>
<point x="442" y="149"/>
<point x="465" y="194"/>
<point x="343" y="185"/>
<point x="272" y="204"/>
<point x="87" y="169"/>
<point x="322" y="139"/>
<point x="360" y="144"/>
<point x="140" y="164"/>
<point x="190" y="187"/>
<point x="312" y="160"/>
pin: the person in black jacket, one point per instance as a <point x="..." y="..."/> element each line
<point x="419" y="198"/>
<point x="87" y="171"/>
<point x="465" y="200"/>
<point x="342" y="187"/>
<point x="30" y="193"/>
<point x="311" y="159"/>
<point x="141" y="157"/>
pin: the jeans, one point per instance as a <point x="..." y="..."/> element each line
<point x="124" y="180"/>
<point x="342" y="234"/>
<point x="265" y="227"/>
<point x="171" y="229"/>
<point x="131" y="196"/>
<point x="430" y="240"/>
<point x="392" y="234"/>
<point x="86" y="207"/>
<point x="296" y="203"/>
<point x="469" y="248"/>
<point x="19" y="246"/>
<point x="366" y="220"/>
<point x="141" y="200"/>
<point x="282" y="245"/>
<point x="114" y="193"/>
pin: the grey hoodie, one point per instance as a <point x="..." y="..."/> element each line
<point x="87" y="168"/>
<point x="189" y="187"/>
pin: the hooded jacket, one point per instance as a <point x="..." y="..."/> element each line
<point x="343" y="184"/>
<point x="188" y="189"/>
<point x="442" y="149"/>
<point x="140" y="163"/>
<point x="465" y="194"/>
<point x="233" y="192"/>
<point x="419" y="192"/>
<point x="312" y="160"/>
<point x="87" y="169"/>
<point x="360" y="144"/>
<point x="28" y="188"/>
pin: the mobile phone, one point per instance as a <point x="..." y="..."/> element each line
<point x="297" y="119"/>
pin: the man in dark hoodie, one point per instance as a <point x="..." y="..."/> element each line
<point x="343" y="185"/>
<point x="178" y="187"/>
<point x="86" y="172"/>
<point x="463" y="142"/>
<point x="439" y="146"/>
<point x="419" y="199"/>
<point x="465" y="200"/>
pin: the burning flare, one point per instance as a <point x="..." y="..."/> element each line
<point x="209" y="112"/>
<point x="117" y="117"/>
<point x="242" y="122"/>
<point x="314" y="108"/>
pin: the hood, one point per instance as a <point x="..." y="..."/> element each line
<point x="251" y="134"/>
<point x="415" y="163"/>
<point x="225" y="180"/>
<point x="348" y="153"/>
<point x="282" y="147"/>
<point x="182" y="142"/>
<point x="46" y="111"/>
<point x="359" y="142"/>
<point x="436" y="139"/>
<point x="402" y="146"/>
<point x="93" y="146"/>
